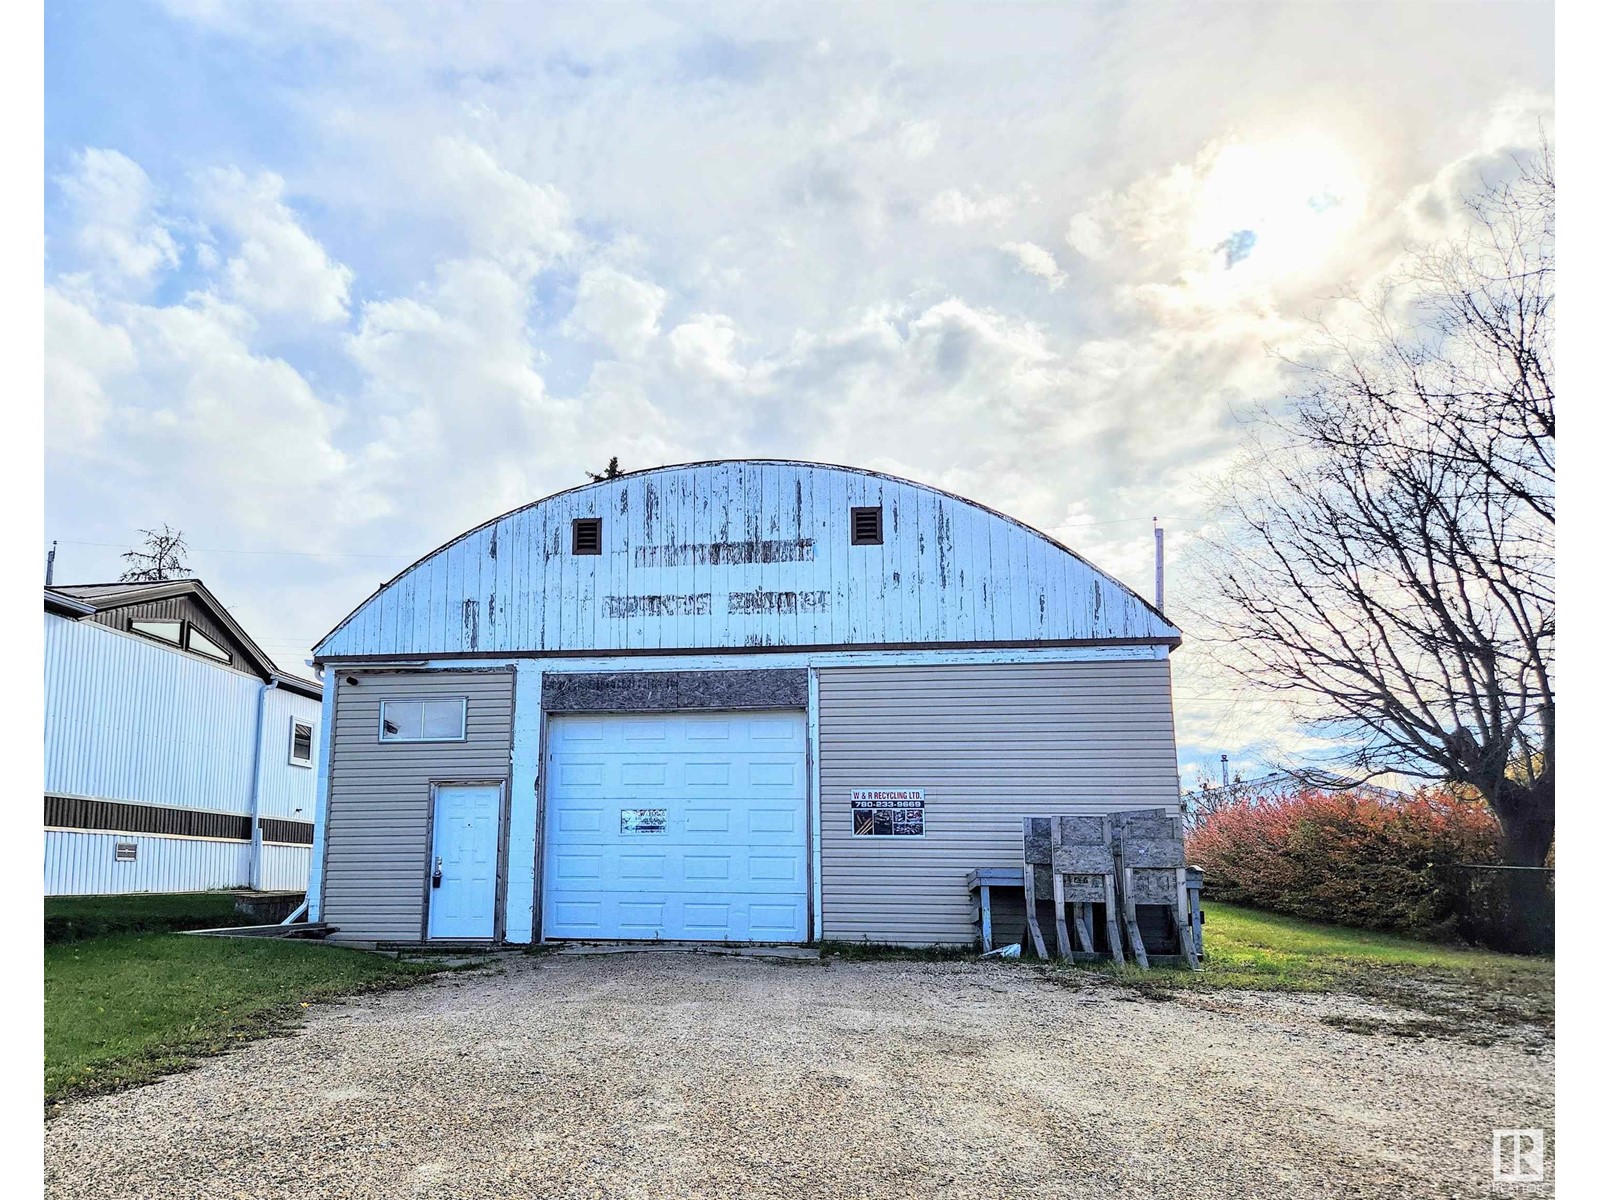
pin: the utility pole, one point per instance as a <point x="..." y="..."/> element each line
<point x="50" y="566"/>
<point x="1224" y="772"/>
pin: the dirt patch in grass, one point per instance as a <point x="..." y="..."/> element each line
<point x="1432" y="990"/>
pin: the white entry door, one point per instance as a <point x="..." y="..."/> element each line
<point x="466" y="854"/>
<point x="677" y="826"/>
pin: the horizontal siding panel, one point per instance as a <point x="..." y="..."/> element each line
<point x="375" y="871"/>
<point x="991" y="745"/>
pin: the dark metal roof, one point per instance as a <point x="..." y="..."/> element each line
<point x="59" y="602"/>
<point x="81" y="599"/>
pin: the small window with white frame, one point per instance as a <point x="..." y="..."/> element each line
<point x="301" y="734"/>
<point x="199" y="643"/>
<point x="423" y="720"/>
<point x="163" y="631"/>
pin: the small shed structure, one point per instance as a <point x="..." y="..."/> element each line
<point x="761" y="701"/>
<point x="177" y="757"/>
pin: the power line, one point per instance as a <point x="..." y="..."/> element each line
<point x="290" y="553"/>
<point x="1121" y="521"/>
<point x="410" y="557"/>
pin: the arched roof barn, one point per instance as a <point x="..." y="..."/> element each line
<point x="745" y="555"/>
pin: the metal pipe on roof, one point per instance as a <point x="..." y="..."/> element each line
<point x="1161" y="567"/>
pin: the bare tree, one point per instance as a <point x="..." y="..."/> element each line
<point x="160" y="558"/>
<point x="1387" y="557"/>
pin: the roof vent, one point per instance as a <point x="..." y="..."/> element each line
<point x="866" y="526"/>
<point x="586" y="535"/>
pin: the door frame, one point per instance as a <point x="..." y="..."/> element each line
<point x="501" y="817"/>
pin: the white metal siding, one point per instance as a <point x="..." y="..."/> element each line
<point x="375" y="868"/>
<point x="129" y="720"/>
<point x="990" y="745"/>
<point x="284" y="868"/>
<point x="730" y="863"/>
<point x="288" y="792"/>
<point x="125" y="719"/>
<point x="84" y="864"/>
<point x="744" y="554"/>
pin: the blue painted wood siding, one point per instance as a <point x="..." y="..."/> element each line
<point x="744" y="554"/>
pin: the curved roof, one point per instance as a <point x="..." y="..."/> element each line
<point x="744" y="554"/>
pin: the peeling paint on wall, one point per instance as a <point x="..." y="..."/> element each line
<point x="696" y="605"/>
<point x="469" y="623"/>
<point x="728" y="554"/>
<point x="759" y="602"/>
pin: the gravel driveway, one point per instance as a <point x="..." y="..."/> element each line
<point x="660" y="1075"/>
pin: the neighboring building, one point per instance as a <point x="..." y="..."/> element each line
<point x="177" y="758"/>
<point x="774" y="701"/>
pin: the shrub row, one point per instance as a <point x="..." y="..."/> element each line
<point x="1354" y="858"/>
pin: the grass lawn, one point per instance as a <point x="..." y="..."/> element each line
<point x="122" y="1010"/>
<point x="1248" y="948"/>
<point x="1451" y="989"/>
<point x="71" y="918"/>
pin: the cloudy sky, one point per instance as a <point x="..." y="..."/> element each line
<point x="326" y="284"/>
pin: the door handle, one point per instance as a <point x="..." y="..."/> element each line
<point x="438" y="871"/>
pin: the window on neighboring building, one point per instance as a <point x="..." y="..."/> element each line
<point x="162" y="631"/>
<point x="423" y="720"/>
<point x="586" y="535"/>
<point x="201" y="644"/>
<point x="300" y="744"/>
<point x="866" y="526"/>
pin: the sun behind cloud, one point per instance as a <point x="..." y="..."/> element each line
<point x="1266" y="211"/>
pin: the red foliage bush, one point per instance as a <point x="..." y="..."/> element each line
<point x="1353" y="858"/>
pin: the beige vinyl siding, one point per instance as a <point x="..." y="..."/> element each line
<point x="990" y="744"/>
<point x="375" y="874"/>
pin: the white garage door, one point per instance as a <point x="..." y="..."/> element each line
<point x="678" y="826"/>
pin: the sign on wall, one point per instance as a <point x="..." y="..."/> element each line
<point x="886" y="812"/>
<point x="644" y="820"/>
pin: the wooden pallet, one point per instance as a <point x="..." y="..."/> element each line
<point x="1122" y="861"/>
<point x="1150" y="870"/>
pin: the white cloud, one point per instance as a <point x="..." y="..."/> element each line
<point x="277" y="268"/>
<point x="1086" y="236"/>
<point x="116" y="229"/>
<point x="704" y="347"/>
<point x="516" y="222"/>
<point x="1036" y="260"/>
<point x="170" y="411"/>
<point x="616" y="310"/>
<point x="954" y="207"/>
<point x="82" y="358"/>
<point x="918" y="138"/>
<point x="452" y="405"/>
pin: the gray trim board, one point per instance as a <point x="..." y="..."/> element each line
<point x="344" y="661"/>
